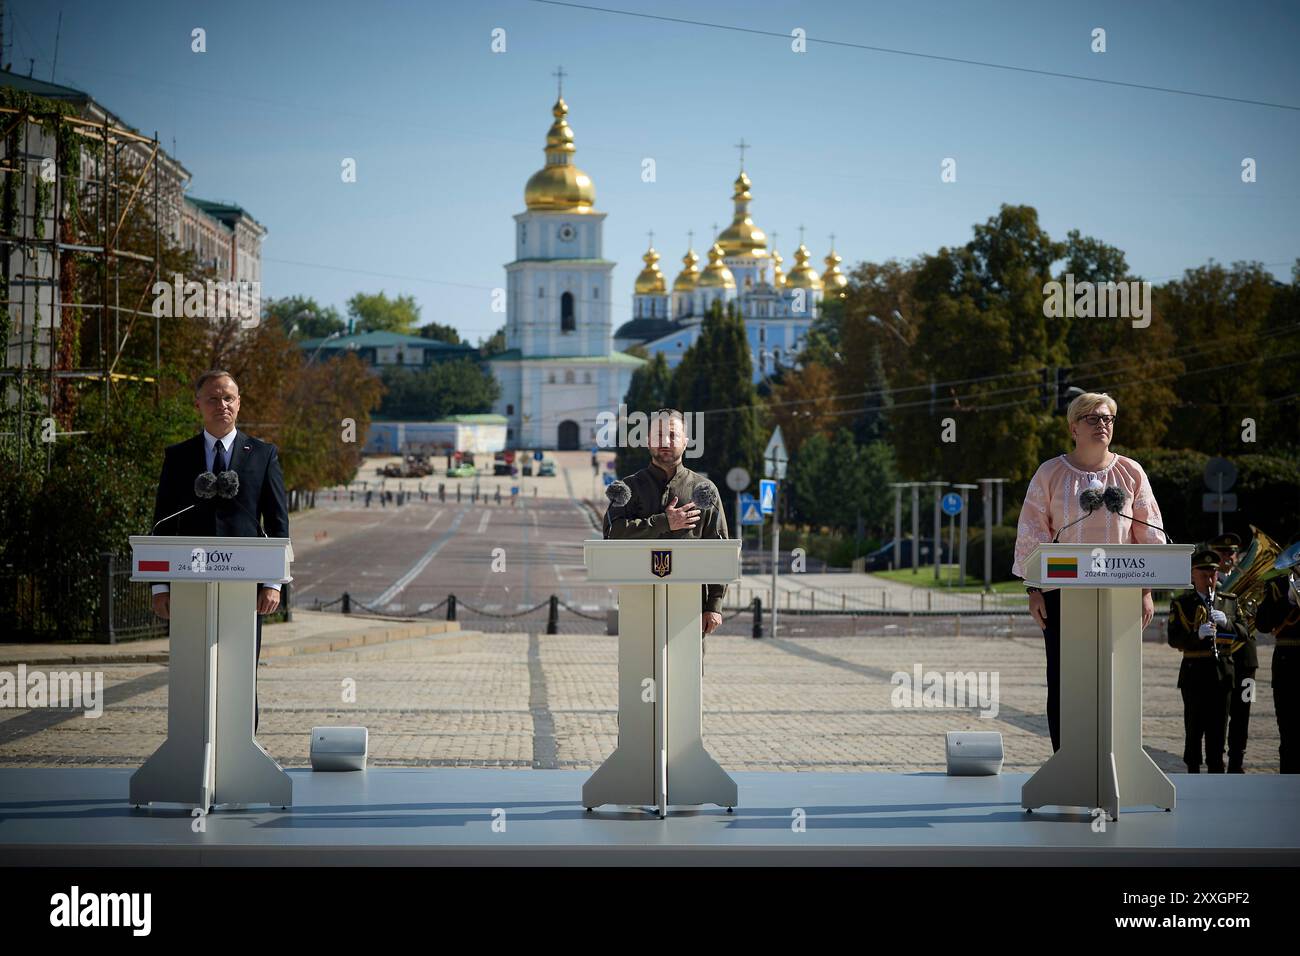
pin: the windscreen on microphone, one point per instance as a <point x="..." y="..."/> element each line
<point x="1090" y="500"/>
<point x="228" y="484"/>
<point x="1115" y="499"/>
<point x="618" y="493"/>
<point x="205" y="485"/>
<point x="705" y="496"/>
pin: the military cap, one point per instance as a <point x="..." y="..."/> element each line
<point x="1205" y="559"/>
<point x="1225" y="542"/>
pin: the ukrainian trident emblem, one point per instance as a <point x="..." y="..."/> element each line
<point x="661" y="563"/>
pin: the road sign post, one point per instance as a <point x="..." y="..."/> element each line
<point x="738" y="481"/>
<point x="774" y="465"/>
<point x="1220" y="475"/>
<point x="916" y="526"/>
<point x="938" y="525"/>
<point x="962" y="546"/>
<point x="952" y="506"/>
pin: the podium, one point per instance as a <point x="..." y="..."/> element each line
<point x="1101" y="763"/>
<point x="660" y="760"/>
<point x="210" y="757"/>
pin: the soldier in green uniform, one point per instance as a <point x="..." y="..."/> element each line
<point x="1205" y="677"/>
<point x="662" y="506"/>
<point x="1279" y="613"/>
<point x="1245" y="661"/>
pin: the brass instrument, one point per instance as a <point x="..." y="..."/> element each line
<point x="1241" y="591"/>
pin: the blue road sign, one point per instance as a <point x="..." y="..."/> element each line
<point x="537" y="456"/>
<point x="767" y="495"/>
<point x="951" y="503"/>
<point x="609" y="479"/>
<point x="749" y="511"/>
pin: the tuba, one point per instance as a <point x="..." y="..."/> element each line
<point x="1241" y="591"/>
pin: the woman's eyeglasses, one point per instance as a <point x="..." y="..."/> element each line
<point x="1096" y="420"/>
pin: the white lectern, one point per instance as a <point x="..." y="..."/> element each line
<point x="210" y="757"/>
<point x="1101" y="763"/>
<point x="660" y="760"/>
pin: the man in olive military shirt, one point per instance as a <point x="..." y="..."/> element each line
<point x="661" y="505"/>
<point x="1279" y="613"/>
<point x="1245" y="662"/>
<point x="1205" y="678"/>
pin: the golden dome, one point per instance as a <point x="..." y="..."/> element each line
<point x="833" y="280"/>
<point x="742" y="237"/>
<point x="802" y="276"/>
<point x="778" y="277"/>
<point x="651" y="280"/>
<point x="560" y="186"/>
<point x="716" y="275"/>
<point x="686" y="279"/>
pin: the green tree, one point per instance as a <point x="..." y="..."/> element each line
<point x="715" y="378"/>
<point x="494" y="344"/>
<point x="1225" y="311"/>
<point x="1133" y="365"/>
<point x="302" y="317"/>
<point x="459" y="387"/>
<point x="378" y="313"/>
<point x="979" y="325"/>
<point x="835" y="480"/>
<point x="440" y="333"/>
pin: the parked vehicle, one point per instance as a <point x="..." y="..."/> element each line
<point x="546" y="468"/>
<point x="417" y="467"/>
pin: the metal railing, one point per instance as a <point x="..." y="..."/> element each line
<point x="97" y="603"/>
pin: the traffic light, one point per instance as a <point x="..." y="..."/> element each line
<point x="1065" y="391"/>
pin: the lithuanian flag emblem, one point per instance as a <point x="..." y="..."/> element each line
<point x="1062" y="567"/>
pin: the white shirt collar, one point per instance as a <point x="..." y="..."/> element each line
<point x="210" y="439"/>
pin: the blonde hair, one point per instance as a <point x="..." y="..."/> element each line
<point x="1086" y="402"/>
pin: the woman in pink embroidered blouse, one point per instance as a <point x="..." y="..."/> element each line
<point x="1052" y="502"/>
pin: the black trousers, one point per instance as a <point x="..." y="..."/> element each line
<point x="257" y="656"/>
<point x="1052" y="645"/>
<point x="1206" y="692"/>
<point x="1239" y="722"/>
<point x="1286" y="684"/>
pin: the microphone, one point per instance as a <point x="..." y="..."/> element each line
<point x="618" y="493"/>
<point x="705" y="497"/>
<point x="205" y="485"/>
<point x="169" y="517"/>
<point x="1116" y="498"/>
<point x="227" y="486"/>
<point x="1090" y="500"/>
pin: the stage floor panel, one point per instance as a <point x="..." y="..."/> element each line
<point x="401" y="816"/>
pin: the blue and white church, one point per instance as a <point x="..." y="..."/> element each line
<point x="777" y="308"/>
<point x="560" y="369"/>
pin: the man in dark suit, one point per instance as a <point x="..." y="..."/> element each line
<point x="258" y="508"/>
<point x="653" y="510"/>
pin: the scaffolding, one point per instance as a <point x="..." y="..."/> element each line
<point x="49" y="198"/>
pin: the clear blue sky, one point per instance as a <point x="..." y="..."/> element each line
<point x="846" y="140"/>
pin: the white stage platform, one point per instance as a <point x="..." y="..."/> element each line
<point x="397" y="816"/>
